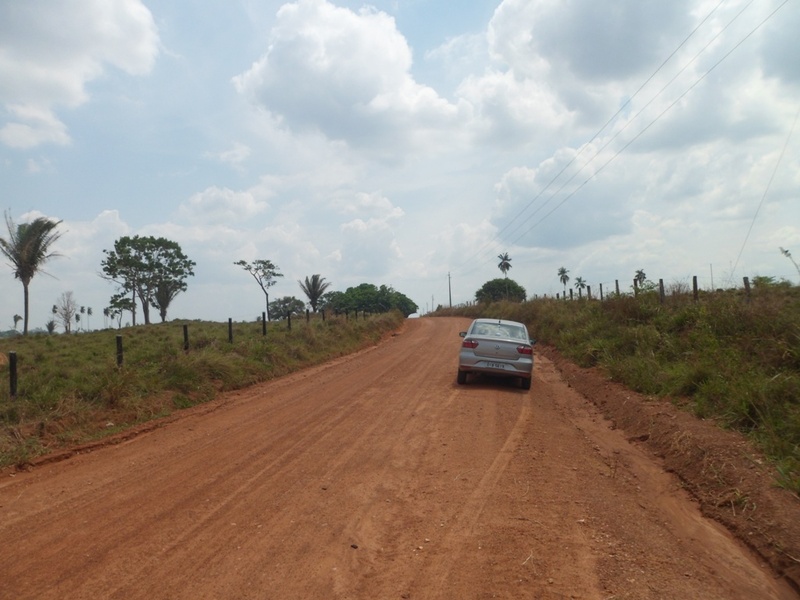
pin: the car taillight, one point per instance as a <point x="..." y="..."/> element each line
<point x="525" y="349"/>
<point x="469" y="344"/>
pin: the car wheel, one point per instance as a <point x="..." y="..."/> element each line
<point x="461" y="377"/>
<point x="525" y="383"/>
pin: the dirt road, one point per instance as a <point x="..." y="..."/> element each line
<point x="372" y="477"/>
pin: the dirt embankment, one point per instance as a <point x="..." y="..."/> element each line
<point x="733" y="483"/>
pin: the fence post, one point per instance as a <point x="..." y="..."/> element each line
<point x="119" y="351"/>
<point x="263" y="323"/>
<point x="12" y="374"/>
<point x="747" y="288"/>
<point x="230" y="330"/>
<point x="661" y="290"/>
<point x="616" y="283"/>
<point x="588" y="292"/>
<point x="635" y="287"/>
<point x="601" y="292"/>
<point x="185" y="338"/>
<point x="570" y="294"/>
<point x="695" y="294"/>
<point x="308" y="316"/>
<point x="289" y="320"/>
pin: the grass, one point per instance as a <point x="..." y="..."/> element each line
<point x="70" y="389"/>
<point x="729" y="357"/>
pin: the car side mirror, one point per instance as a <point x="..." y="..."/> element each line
<point x="462" y="333"/>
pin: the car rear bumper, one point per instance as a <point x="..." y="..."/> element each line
<point x="500" y="368"/>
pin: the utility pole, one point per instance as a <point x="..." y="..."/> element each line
<point x="449" y="290"/>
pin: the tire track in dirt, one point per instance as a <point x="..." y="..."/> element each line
<point x="374" y="476"/>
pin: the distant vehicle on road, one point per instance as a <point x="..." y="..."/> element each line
<point x="496" y="347"/>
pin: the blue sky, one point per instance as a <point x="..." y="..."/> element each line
<point x="395" y="142"/>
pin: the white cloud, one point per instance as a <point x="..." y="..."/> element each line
<point x="51" y="49"/>
<point x="235" y="156"/>
<point x="34" y="126"/>
<point x="222" y="206"/>
<point x="347" y="75"/>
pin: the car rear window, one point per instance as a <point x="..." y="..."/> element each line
<point x="513" y="332"/>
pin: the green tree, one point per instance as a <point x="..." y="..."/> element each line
<point x="164" y="295"/>
<point x="28" y="248"/>
<point x="505" y="263"/>
<point x="264" y="272"/>
<point x="563" y="277"/>
<point x="282" y="307"/>
<point x="580" y="285"/>
<point x="139" y="265"/>
<point x="314" y="288"/>
<point x="332" y="301"/>
<point x="501" y="289"/>
<point x="368" y="297"/>
<point x="117" y="306"/>
<point x="640" y="277"/>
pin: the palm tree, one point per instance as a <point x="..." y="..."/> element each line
<point x="788" y="255"/>
<point x="505" y="263"/>
<point x="28" y="248"/>
<point x="640" y="277"/>
<point x="580" y="285"/>
<point x="314" y="288"/>
<point x="563" y="277"/>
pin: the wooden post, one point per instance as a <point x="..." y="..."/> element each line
<point x="601" y="292"/>
<point x="695" y="293"/>
<point x="12" y="374"/>
<point x="747" y="288"/>
<point x="635" y="287"/>
<point x="185" y="338"/>
<point x="230" y="330"/>
<point x="616" y="283"/>
<point x="570" y="294"/>
<point x="588" y="292"/>
<point x="308" y="316"/>
<point x="119" y="351"/>
<point x="289" y="320"/>
<point x="661" y="290"/>
<point x="263" y="323"/>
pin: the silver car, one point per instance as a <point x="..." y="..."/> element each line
<point x="496" y="347"/>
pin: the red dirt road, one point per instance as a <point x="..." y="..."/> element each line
<point x="372" y="477"/>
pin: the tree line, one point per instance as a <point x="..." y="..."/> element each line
<point x="149" y="272"/>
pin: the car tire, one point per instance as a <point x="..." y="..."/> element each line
<point x="525" y="383"/>
<point x="461" y="377"/>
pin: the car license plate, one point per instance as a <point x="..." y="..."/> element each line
<point x="494" y="365"/>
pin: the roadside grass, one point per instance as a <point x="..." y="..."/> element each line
<point x="726" y="357"/>
<point x="71" y="391"/>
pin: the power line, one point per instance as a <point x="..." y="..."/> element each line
<point x="649" y="125"/>
<point x="597" y="134"/>
<point x="518" y="224"/>
<point x="769" y="184"/>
